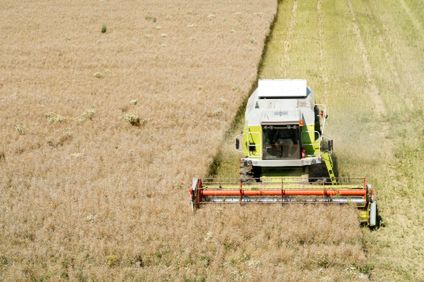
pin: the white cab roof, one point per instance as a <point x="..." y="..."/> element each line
<point x="282" y="88"/>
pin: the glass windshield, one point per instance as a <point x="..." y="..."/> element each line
<point x="281" y="142"/>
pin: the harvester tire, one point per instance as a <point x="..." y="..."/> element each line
<point x="318" y="172"/>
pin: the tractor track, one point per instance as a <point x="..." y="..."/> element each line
<point x="415" y="22"/>
<point x="373" y="89"/>
<point x="373" y="92"/>
<point x="290" y="32"/>
<point x="391" y="59"/>
<point x="324" y="76"/>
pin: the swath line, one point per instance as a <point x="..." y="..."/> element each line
<point x="390" y="57"/>
<point x="324" y="75"/>
<point x="373" y="89"/>
<point x="290" y="31"/>
<point x="417" y="25"/>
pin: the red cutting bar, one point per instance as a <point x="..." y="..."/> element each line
<point x="315" y="192"/>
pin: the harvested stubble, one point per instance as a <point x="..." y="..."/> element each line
<point x="364" y="59"/>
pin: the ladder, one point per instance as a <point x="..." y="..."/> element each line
<point x="326" y="157"/>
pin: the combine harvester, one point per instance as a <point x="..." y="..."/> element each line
<point x="287" y="158"/>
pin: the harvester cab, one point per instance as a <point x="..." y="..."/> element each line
<point x="287" y="157"/>
<point x="284" y="129"/>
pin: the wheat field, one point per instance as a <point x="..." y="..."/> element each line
<point x="109" y="108"/>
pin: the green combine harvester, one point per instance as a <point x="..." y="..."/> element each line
<point x="286" y="156"/>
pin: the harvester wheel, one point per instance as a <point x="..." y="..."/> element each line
<point x="318" y="173"/>
<point x="247" y="172"/>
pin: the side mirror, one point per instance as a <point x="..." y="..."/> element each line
<point x="237" y="143"/>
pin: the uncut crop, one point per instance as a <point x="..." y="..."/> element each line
<point x="107" y="111"/>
